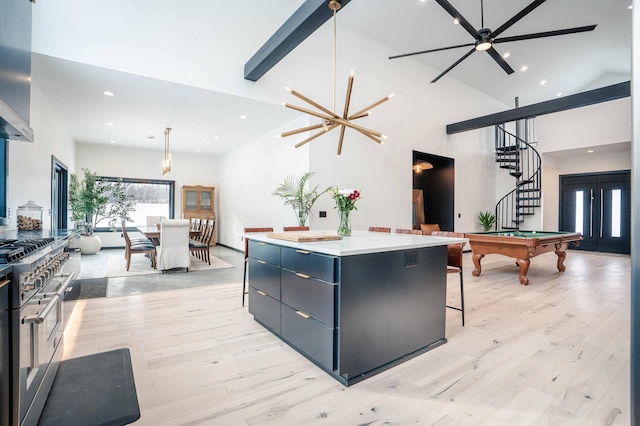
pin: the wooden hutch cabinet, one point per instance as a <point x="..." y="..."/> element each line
<point x="197" y="202"/>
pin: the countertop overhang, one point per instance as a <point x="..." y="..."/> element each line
<point x="360" y="242"/>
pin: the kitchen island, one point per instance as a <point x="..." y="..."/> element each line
<point x="356" y="306"/>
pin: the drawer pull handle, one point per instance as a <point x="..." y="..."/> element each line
<point x="261" y="243"/>
<point x="302" y="314"/>
<point x="261" y="293"/>
<point x="306" y="277"/>
<point x="261" y="261"/>
<point x="303" y="252"/>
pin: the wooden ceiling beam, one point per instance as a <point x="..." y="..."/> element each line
<point x="595" y="96"/>
<point x="304" y="21"/>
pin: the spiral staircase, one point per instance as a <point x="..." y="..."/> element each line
<point x="516" y="153"/>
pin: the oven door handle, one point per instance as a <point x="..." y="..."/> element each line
<point x="69" y="279"/>
<point x="39" y="319"/>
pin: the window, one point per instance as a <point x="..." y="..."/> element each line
<point x="153" y="198"/>
<point x="616" y="211"/>
<point x="579" y="211"/>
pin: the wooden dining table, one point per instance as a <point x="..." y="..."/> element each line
<point x="153" y="233"/>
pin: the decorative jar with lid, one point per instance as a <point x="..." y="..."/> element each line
<point x="29" y="217"/>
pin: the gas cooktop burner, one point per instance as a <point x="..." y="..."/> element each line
<point x="13" y="250"/>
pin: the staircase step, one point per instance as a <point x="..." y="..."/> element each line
<point x="506" y="148"/>
<point x="516" y="175"/>
<point x="527" y="199"/>
<point x="506" y="160"/>
<point x="524" y="182"/>
<point x="510" y="167"/>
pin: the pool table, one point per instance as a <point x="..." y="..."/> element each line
<point x="521" y="245"/>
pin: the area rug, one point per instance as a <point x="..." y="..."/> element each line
<point x="96" y="389"/>
<point x="140" y="265"/>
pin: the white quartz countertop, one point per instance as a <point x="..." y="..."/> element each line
<point x="359" y="242"/>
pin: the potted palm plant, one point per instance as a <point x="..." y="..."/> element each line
<point x="92" y="200"/>
<point x="294" y="193"/>
<point x="487" y="220"/>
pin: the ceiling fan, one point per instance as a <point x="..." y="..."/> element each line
<point x="485" y="38"/>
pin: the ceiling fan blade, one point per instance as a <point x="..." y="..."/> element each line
<point x="546" y="34"/>
<point x="466" y="55"/>
<point x="500" y="60"/>
<point x="431" y="50"/>
<point x="518" y="16"/>
<point x="448" y="7"/>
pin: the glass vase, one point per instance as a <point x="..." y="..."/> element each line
<point x="344" y="228"/>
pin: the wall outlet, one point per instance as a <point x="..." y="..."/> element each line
<point x="323" y="213"/>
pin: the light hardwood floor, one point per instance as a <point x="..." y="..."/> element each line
<point x="555" y="352"/>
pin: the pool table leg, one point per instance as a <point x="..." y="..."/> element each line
<point x="524" y="267"/>
<point x="562" y="255"/>
<point x="476" y="262"/>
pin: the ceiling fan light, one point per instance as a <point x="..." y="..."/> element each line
<point x="483" y="45"/>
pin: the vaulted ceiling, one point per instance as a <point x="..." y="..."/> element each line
<point x="567" y="64"/>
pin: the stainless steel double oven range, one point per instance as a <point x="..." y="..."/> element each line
<point x="35" y="274"/>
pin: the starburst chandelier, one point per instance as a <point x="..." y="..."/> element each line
<point x="331" y="120"/>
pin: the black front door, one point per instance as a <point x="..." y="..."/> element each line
<point x="599" y="207"/>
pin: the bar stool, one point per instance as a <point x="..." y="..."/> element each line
<point x="379" y="229"/>
<point x="295" y="228"/>
<point x="454" y="263"/>
<point x="408" y="231"/>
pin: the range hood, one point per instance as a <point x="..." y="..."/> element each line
<point x="12" y="126"/>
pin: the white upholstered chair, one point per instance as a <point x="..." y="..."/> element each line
<point x="173" y="251"/>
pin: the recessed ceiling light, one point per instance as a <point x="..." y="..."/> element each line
<point x="112" y="141"/>
<point x="108" y="93"/>
<point x="543" y="82"/>
<point x="630" y="6"/>
<point x="456" y="21"/>
<point x="244" y="117"/>
<point x="506" y="55"/>
<point x="110" y="123"/>
<point x="216" y="138"/>
<point x="590" y="151"/>
<point x="559" y="94"/>
<point x="197" y="150"/>
<point x="524" y="68"/>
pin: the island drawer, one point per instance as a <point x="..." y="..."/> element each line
<point x="264" y="277"/>
<point x="313" y="338"/>
<point x="264" y="309"/>
<point x="314" y="297"/>
<point x="263" y="251"/>
<point x="316" y="265"/>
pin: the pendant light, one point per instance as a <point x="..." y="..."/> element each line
<point x="166" y="162"/>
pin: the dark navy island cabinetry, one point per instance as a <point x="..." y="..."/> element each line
<point x="354" y="308"/>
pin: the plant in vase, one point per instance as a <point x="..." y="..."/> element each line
<point x="487" y="220"/>
<point x="293" y="192"/>
<point x="345" y="203"/>
<point x="92" y="200"/>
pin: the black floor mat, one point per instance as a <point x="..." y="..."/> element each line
<point x="93" y="390"/>
<point x="87" y="288"/>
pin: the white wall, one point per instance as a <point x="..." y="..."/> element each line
<point x="29" y="164"/>
<point x="118" y="161"/>
<point x="600" y="124"/>
<point x="414" y="119"/>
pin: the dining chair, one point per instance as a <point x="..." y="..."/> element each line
<point x="379" y="229"/>
<point x="408" y="231"/>
<point x="454" y="263"/>
<point x="144" y="246"/>
<point x="154" y="221"/>
<point x="173" y="251"/>
<point x="295" y="228"/>
<point x="200" y="248"/>
<point x="246" y="257"/>
<point x="428" y="228"/>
